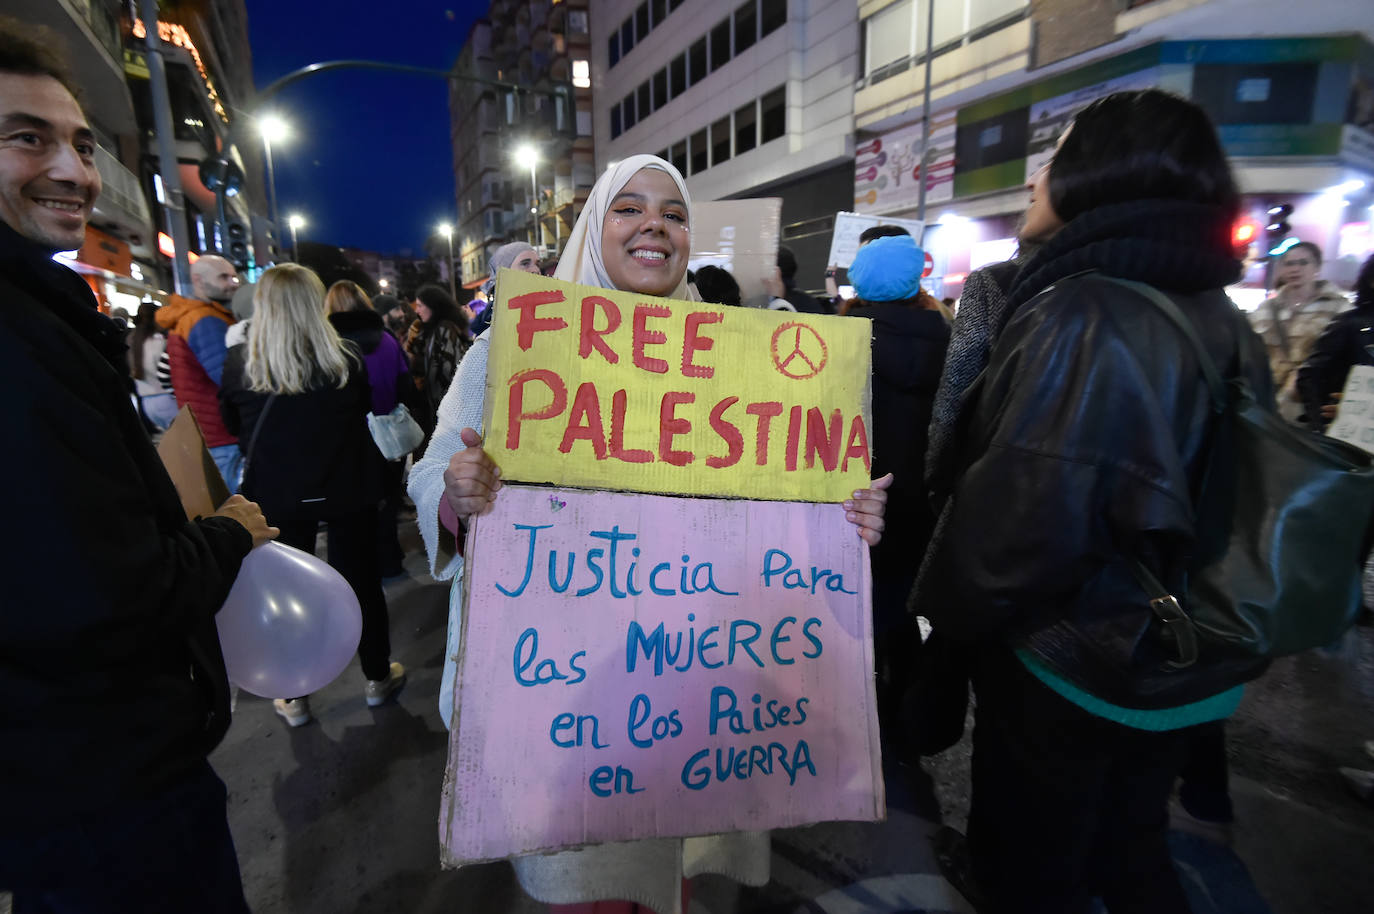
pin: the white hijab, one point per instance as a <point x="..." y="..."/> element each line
<point x="581" y="261"/>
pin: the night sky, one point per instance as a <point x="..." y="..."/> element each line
<point x="369" y="163"/>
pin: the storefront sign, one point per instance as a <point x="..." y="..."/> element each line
<point x="604" y="389"/>
<point x="638" y="666"/>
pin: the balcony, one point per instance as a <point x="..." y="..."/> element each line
<point x="122" y="208"/>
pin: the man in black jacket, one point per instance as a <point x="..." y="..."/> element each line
<point x="113" y="682"/>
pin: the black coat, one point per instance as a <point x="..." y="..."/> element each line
<point x="314" y="457"/>
<point x="1346" y="342"/>
<point x="1086" y="443"/>
<point x="110" y="666"/>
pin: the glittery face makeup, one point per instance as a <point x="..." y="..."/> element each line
<point x="645" y="237"/>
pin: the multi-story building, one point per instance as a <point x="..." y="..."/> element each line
<point x="1290" y="86"/>
<point x="748" y="98"/>
<point x="542" y="46"/>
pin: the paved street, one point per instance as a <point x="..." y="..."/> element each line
<point x="341" y="815"/>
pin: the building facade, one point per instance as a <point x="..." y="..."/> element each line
<point x="522" y="161"/>
<point x="1290" y="86"/>
<point x="748" y="98"/>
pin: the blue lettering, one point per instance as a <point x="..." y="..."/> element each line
<point x="594" y="569"/>
<point x="735" y="641"/>
<point x="653" y="580"/>
<point x="806" y="633"/>
<point x="779" y="638"/>
<point x="529" y="559"/>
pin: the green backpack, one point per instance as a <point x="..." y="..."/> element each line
<point x="1283" y="522"/>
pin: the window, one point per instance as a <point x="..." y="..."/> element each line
<point x="660" y="89"/>
<point x="720" y="140"/>
<point x="627" y="36"/>
<point x="660" y="9"/>
<point x="677" y="75"/>
<point x="627" y="107"/>
<point x="720" y="45"/>
<point x="773" y="122"/>
<point x="889" y="36"/>
<point x="699" y="152"/>
<point x="772" y="15"/>
<point x="896" y="35"/>
<point x="615" y="121"/>
<point x="644" y="106"/>
<point x="746" y="128"/>
<point x="642" y="20"/>
<point x="696" y="60"/>
<point x="746" y="27"/>
<point x="612" y="51"/>
<point x="581" y="74"/>
<point x="678" y="156"/>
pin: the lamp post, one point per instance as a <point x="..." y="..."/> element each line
<point x="447" y="231"/>
<point x="297" y="222"/>
<point x="527" y="157"/>
<point x="273" y="130"/>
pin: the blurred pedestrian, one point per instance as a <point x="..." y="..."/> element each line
<point x="109" y="660"/>
<point x="515" y="256"/>
<point x="1075" y="460"/>
<point x="297" y="395"/>
<point x="397" y="316"/>
<point x="389" y="377"/>
<point x="196" y="329"/>
<point x="434" y="345"/>
<point x="717" y="285"/>
<point x="799" y="300"/>
<point x="1347" y="341"/>
<point x="147" y="343"/>
<point x="1292" y="318"/>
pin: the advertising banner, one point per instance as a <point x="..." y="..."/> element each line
<point x="888" y="167"/>
<point x="1049" y="118"/>
<point x="638" y="666"/>
<point x="603" y="389"/>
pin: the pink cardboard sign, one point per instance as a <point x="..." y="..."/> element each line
<point x="638" y="666"/>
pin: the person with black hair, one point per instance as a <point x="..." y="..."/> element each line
<point x="800" y="301"/>
<point x="717" y="285"/>
<point x="1087" y="433"/>
<point x="1347" y="341"/>
<point x="110" y="663"/>
<point x="434" y="346"/>
<point x="147" y="343"/>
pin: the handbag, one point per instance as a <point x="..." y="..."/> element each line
<point x="396" y="434"/>
<point x="1283" y="520"/>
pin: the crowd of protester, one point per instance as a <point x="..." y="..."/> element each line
<point x="1037" y="404"/>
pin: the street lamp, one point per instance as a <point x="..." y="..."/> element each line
<point x="273" y="130"/>
<point x="384" y="283"/>
<point x="297" y="222"/>
<point x="447" y="231"/>
<point x="527" y="157"/>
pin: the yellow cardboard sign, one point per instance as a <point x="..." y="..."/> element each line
<point x="602" y="389"/>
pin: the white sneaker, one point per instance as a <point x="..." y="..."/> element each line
<point x="379" y="690"/>
<point x="295" y="712"/>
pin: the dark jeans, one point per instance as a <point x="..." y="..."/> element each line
<point x="1067" y="806"/>
<point x="1204" y="788"/>
<point x="167" y="854"/>
<point x="389" y="552"/>
<point x="352" y="551"/>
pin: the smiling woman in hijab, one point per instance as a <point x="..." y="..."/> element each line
<point x="633" y="235"/>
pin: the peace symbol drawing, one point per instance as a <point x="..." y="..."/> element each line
<point x="799" y="352"/>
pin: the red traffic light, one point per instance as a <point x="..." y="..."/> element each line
<point x="1244" y="233"/>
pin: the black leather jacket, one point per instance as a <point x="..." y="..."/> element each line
<point x="1082" y="452"/>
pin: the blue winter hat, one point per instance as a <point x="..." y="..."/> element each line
<point x="888" y="269"/>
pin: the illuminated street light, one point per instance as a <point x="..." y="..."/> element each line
<point x="527" y="156"/>
<point x="273" y="130"/>
<point x="384" y="283"/>
<point x="447" y="231"/>
<point x="297" y="222"/>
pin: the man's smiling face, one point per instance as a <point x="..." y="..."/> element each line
<point x="48" y="179"/>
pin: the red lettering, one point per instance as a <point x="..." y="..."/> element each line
<point x="584" y="421"/>
<point x="528" y="324"/>
<point x="765" y="411"/>
<point x="592" y="337"/>
<point x="515" y="408"/>
<point x="634" y="455"/>
<point x="728" y="433"/>
<point x="694" y="342"/>
<point x="857" y="445"/>
<point x="823" y="441"/>
<point x="794" y="421"/>
<point x="669" y="427"/>
<point x="646" y="337"/>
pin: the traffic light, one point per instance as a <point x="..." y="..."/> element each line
<point x="236" y="244"/>
<point x="1278" y="228"/>
<point x="1243" y="233"/>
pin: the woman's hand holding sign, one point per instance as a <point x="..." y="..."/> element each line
<point x="865" y="510"/>
<point x="472" y="478"/>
